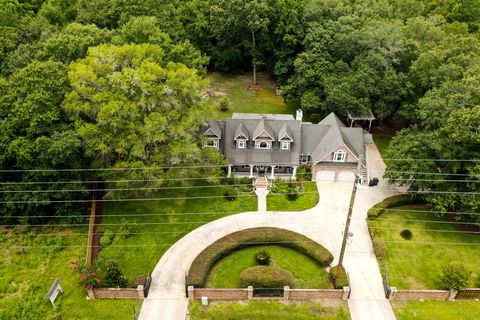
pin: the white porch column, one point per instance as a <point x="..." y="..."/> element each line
<point x="294" y="173"/>
<point x="251" y="171"/>
<point x="229" y="173"/>
<point x="273" y="172"/>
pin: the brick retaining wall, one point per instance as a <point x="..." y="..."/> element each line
<point x="116" y="293"/>
<point x="218" y="294"/>
<point x="421" y="294"/>
<point x="306" y="294"/>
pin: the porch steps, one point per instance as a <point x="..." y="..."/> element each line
<point x="364" y="175"/>
<point x="261" y="183"/>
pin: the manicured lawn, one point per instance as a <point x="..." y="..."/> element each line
<point x="307" y="273"/>
<point x="26" y="274"/>
<point x="382" y="141"/>
<point x="261" y="99"/>
<point x="162" y="223"/>
<point x="418" y="266"/>
<point x="278" y="202"/>
<point x="437" y="310"/>
<point x="260" y="310"/>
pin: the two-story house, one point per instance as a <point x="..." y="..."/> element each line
<point x="277" y="144"/>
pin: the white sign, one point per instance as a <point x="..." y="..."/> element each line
<point x="55" y="289"/>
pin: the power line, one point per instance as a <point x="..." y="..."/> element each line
<point x="427" y="230"/>
<point x="429" y="221"/>
<point x="207" y="166"/>
<point x="431" y="211"/>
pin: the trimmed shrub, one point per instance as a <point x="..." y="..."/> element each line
<point x="262" y="258"/>
<point x="231" y="194"/>
<point x="221" y="248"/>
<point x="127" y="228"/>
<point x="455" y="276"/>
<point x="107" y="238"/>
<point x="266" y="277"/>
<point x="406" y="234"/>
<point x="394" y="201"/>
<point x="342" y="280"/>
<point x="224" y="104"/>
<point x="293" y="191"/>
<point x="114" y="278"/>
<point x="304" y="174"/>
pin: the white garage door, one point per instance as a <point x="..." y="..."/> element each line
<point x="325" y="175"/>
<point x="346" y="176"/>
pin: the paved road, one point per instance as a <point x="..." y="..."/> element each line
<point x="324" y="223"/>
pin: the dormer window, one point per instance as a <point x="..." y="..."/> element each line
<point x="241" y="144"/>
<point x="339" y="156"/>
<point x="262" y="144"/>
<point x="285" y="145"/>
<point x="211" y="143"/>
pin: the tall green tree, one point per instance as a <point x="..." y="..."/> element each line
<point x="132" y="107"/>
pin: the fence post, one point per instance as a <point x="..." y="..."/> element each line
<point x="249" y="293"/>
<point x="346" y="293"/>
<point x="393" y="293"/>
<point x="90" y="293"/>
<point x="286" y="293"/>
<point x="191" y="294"/>
<point x="452" y="294"/>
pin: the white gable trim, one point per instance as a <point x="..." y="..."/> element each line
<point x="241" y="134"/>
<point x="264" y="131"/>
<point x="210" y="129"/>
<point x="342" y="145"/>
<point x="286" y="135"/>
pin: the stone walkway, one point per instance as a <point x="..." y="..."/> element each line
<point x="324" y="223"/>
<point x="262" y="199"/>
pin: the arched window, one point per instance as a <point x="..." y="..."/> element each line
<point x="263" y="145"/>
<point x="339" y="156"/>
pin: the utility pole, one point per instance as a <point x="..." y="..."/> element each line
<point x="347" y="227"/>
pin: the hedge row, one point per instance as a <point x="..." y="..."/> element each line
<point x="221" y="248"/>
<point x="342" y="280"/>
<point x="394" y="201"/>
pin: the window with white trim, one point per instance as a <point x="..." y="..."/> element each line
<point x="262" y="144"/>
<point x="303" y="158"/>
<point x="210" y="143"/>
<point x="339" y="156"/>
<point x="285" y="145"/>
<point x="241" y="144"/>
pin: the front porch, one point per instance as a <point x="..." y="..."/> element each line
<point x="270" y="171"/>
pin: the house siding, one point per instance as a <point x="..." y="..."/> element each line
<point x="349" y="156"/>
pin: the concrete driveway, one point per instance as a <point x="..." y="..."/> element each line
<point x="324" y="223"/>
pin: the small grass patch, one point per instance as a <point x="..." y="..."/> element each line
<point x="223" y="247"/>
<point x="260" y="310"/>
<point x="382" y="141"/>
<point x="414" y="265"/>
<point x="159" y="224"/>
<point x="308" y="199"/>
<point x="27" y="273"/>
<point x="306" y="272"/>
<point x="243" y="98"/>
<point x="436" y="310"/>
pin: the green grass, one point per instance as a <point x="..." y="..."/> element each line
<point x="26" y="274"/>
<point x="307" y="200"/>
<point x="307" y="273"/>
<point x="261" y="99"/>
<point x="382" y="141"/>
<point x="436" y="310"/>
<point x="160" y="230"/>
<point x="418" y="266"/>
<point x="260" y="310"/>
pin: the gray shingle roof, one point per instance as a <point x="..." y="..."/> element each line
<point x="318" y="140"/>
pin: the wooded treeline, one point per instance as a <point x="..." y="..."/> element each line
<point x="116" y="83"/>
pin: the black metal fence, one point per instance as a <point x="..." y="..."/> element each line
<point x="468" y="294"/>
<point x="267" y="292"/>
<point x="386" y="287"/>
<point x="146" y="288"/>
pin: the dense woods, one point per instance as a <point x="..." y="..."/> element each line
<point x="105" y="83"/>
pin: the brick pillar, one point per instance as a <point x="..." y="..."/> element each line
<point x="249" y="293"/>
<point x="191" y="294"/>
<point x="286" y="293"/>
<point x="346" y="293"/>
<point x="90" y="293"/>
<point x="141" y="293"/>
<point x="452" y="294"/>
<point x="393" y="293"/>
